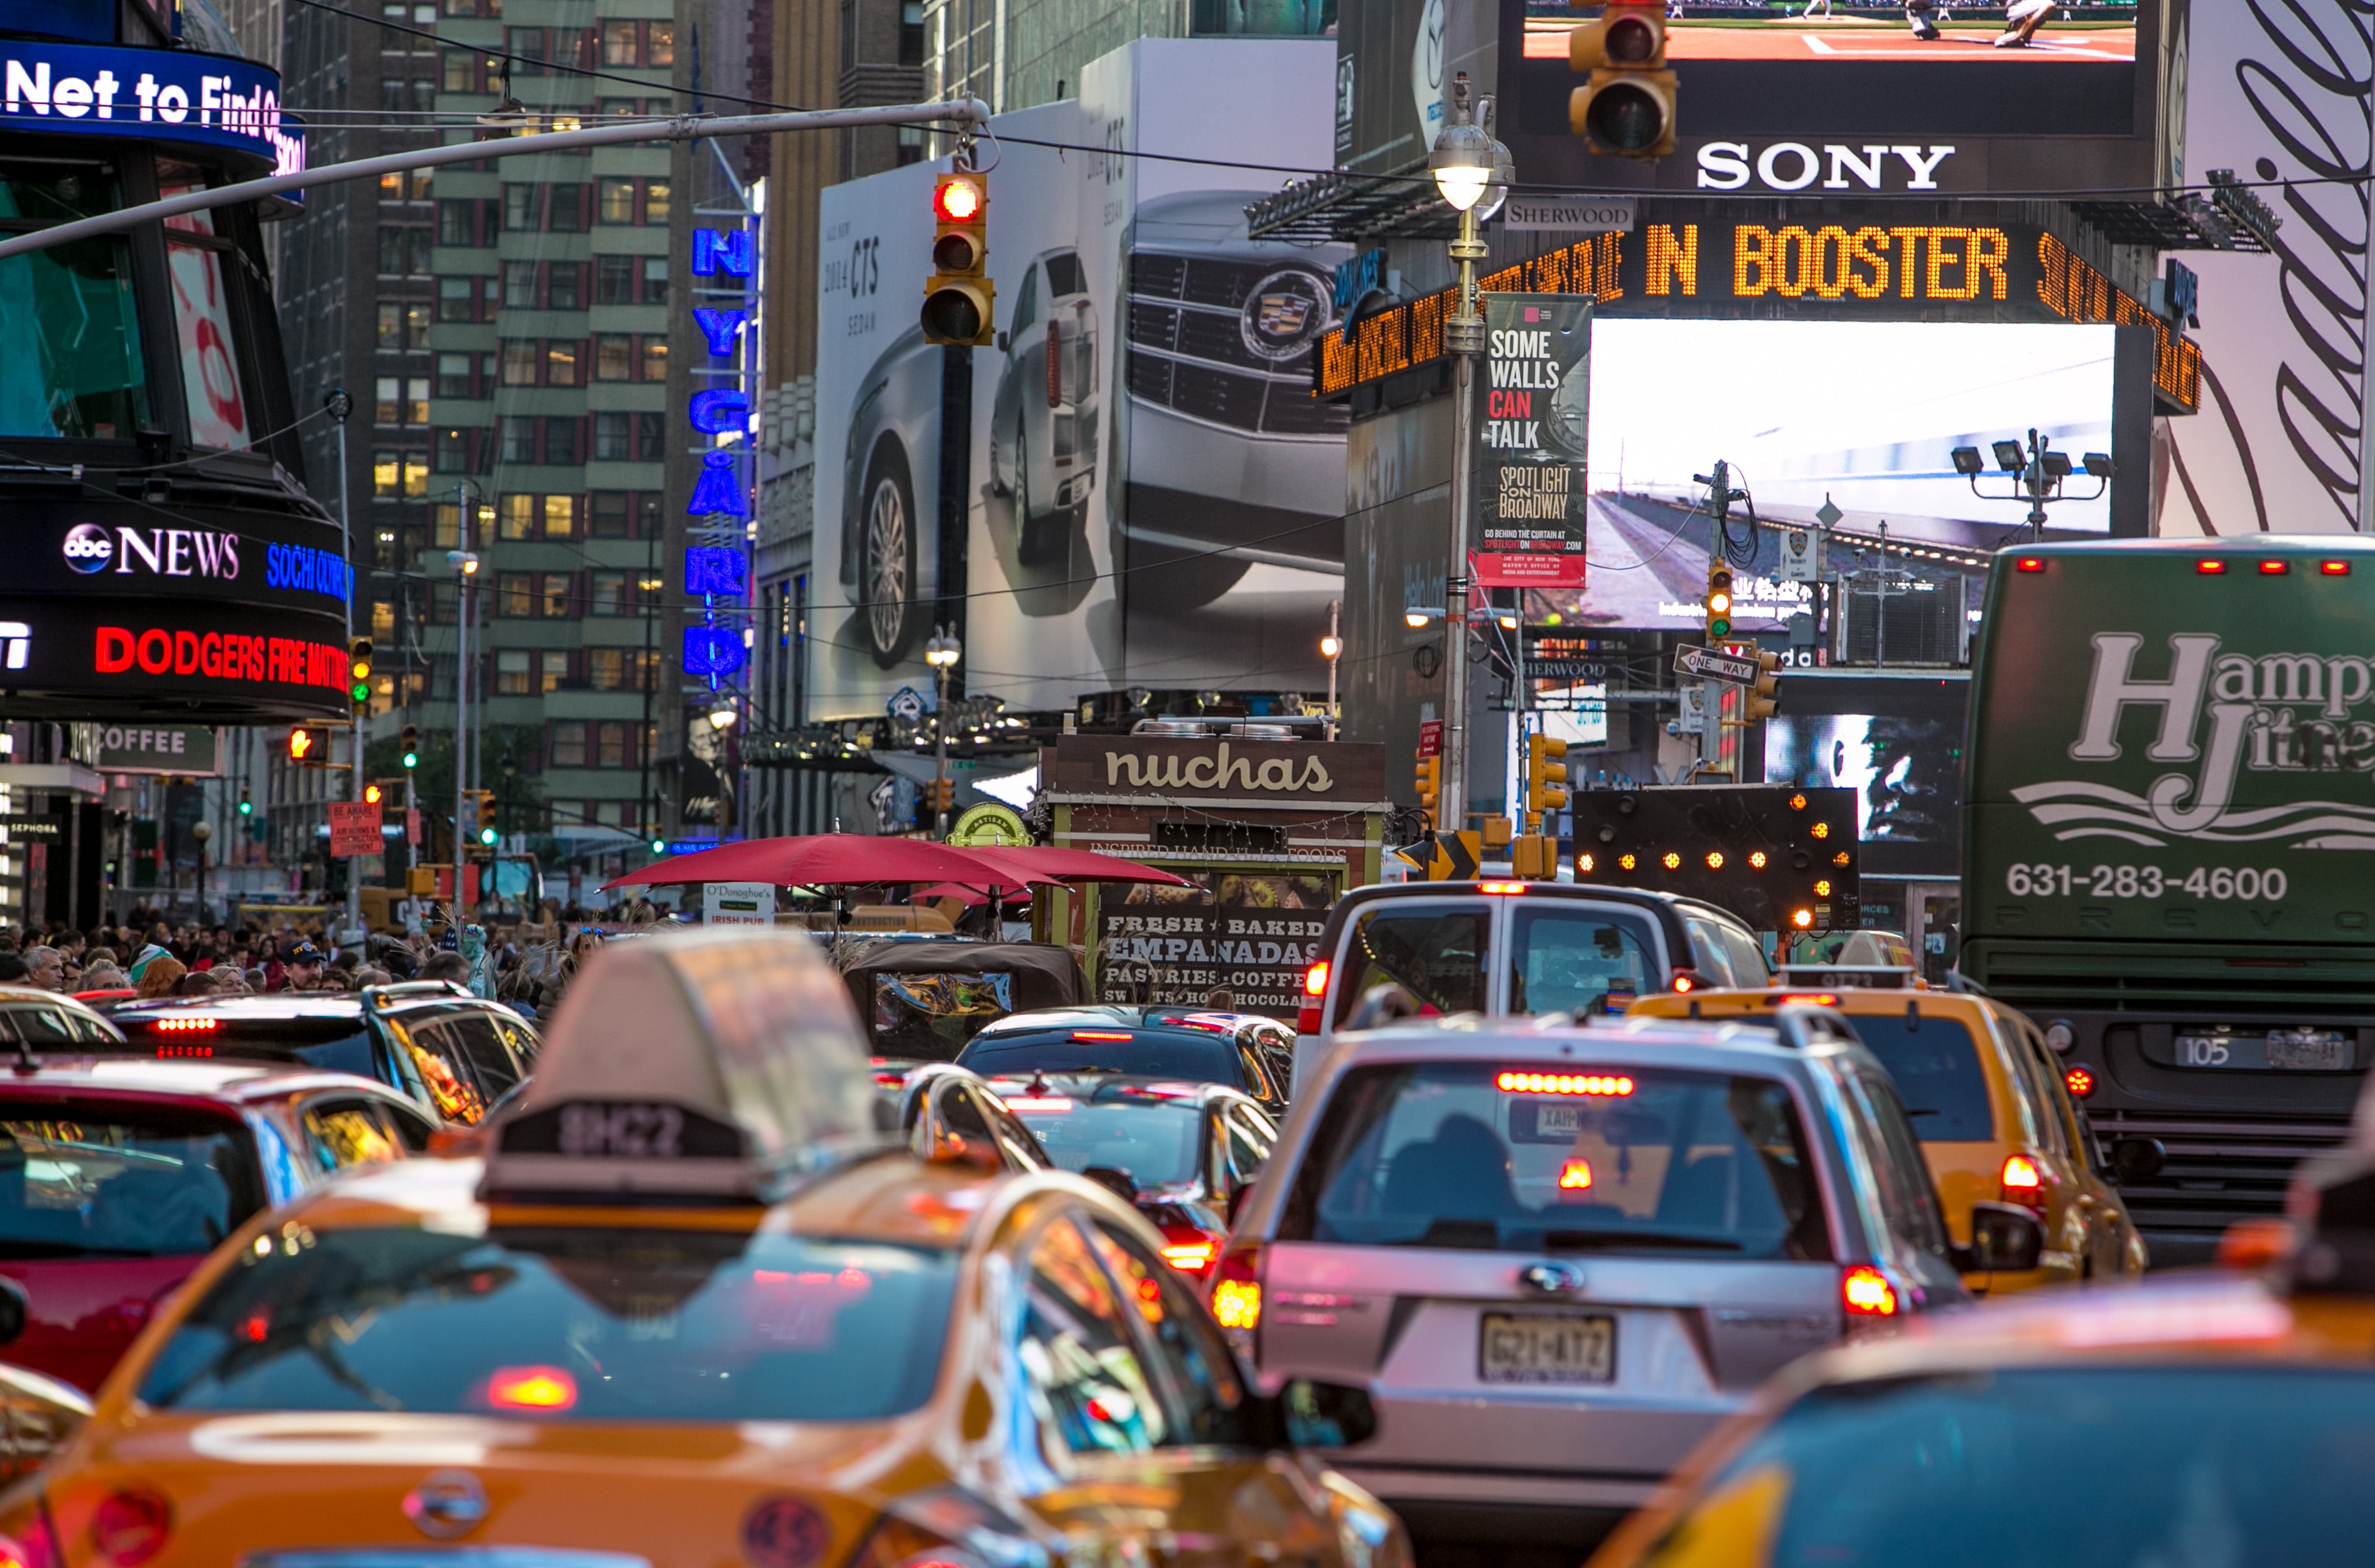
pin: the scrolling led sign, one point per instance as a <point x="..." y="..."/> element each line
<point x="1822" y="271"/>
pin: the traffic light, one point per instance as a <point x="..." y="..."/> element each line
<point x="1718" y="601"/>
<point x="941" y="795"/>
<point x="358" y="671"/>
<point x="412" y="745"/>
<point x="1545" y="779"/>
<point x="308" y="747"/>
<point x="246" y="802"/>
<point x="1628" y="107"/>
<point x="1763" y="697"/>
<point x="371" y="794"/>
<point x="484" y="800"/>
<point x="1430" y="783"/>
<point x="959" y="298"/>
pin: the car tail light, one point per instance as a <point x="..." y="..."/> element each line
<point x="1314" y="987"/>
<point x="2023" y="1180"/>
<point x="1055" y="366"/>
<point x="1122" y="1034"/>
<point x="178" y="1052"/>
<point x="2335" y="568"/>
<point x="1865" y="1291"/>
<point x="1509" y="888"/>
<point x="131" y="1527"/>
<point x="2079" y="1081"/>
<point x="1187" y="1249"/>
<point x="1237" y="1294"/>
<point x="1686" y="980"/>
<point x="186" y="1025"/>
<point x="2029" y="563"/>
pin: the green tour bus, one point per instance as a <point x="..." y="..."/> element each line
<point x="2168" y="852"/>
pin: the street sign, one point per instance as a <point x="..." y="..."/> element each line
<point x="1430" y="737"/>
<point x="1567" y="215"/>
<point x="738" y="904"/>
<point x="1693" y="719"/>
<point x="1829" y="514"/>
<point x="354" y="828"/>
<point x="1802" y="554"/>
<point x="1709" y="665"/>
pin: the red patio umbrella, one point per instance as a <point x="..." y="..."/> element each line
<point x="818" y="859"/>
<point x="1042" y="862"/>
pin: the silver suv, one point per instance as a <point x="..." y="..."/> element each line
<point x="1558" y="1256"/>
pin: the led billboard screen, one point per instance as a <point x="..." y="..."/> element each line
<point x="1895" y="741"/>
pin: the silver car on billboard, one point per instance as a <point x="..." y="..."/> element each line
<point x="1043" y="430"/>
<point x="1230" y="460"/>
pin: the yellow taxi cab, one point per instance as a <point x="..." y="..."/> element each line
<point x="1995" y="1119"/>
<point x="2192" y="1419"/>
<point x="691" y="1308"/>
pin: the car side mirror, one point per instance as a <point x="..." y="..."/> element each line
<point x="1326" y="1415"/>
<point x="2137" y="1159"/>
<point x="13" y="1311"/>
<point x="2004" y="1237"/>
<point x="1115" y="1181"/>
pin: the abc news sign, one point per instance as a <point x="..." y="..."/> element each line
<point x="125" y="557"/>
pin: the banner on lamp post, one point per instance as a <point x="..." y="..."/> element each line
<point x="1535" y="399"/>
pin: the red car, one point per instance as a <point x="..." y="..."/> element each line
<point x="118" y="1176"/>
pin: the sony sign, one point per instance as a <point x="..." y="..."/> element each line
<point x="1794" y="166"/>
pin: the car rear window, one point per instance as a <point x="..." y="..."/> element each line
<point x="1199" y="1058"/>
<point x="97" y="1179"/>
<point x="1554" y="1156"/>
<point x="1935" y="1064"/>
<point x="1154" y="1141"/>
<point x="577" y="1324"/>
<point x="928" y="1018"/>
<point x="1436" y="954"/>
<point x="2232" y="1465"/>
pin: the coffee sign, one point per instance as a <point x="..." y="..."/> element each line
<point x="1281" y="772"/>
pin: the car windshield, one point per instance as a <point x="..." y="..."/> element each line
<point x="96" y="1180"/>
<point x="1556" y="1156"/>
<point x="568" y="1324"/>
<point x="1152" y="1138"/>
<point x="1936" y="1065"/>
<point x="2236" y="1466"/>
<point x="1197" y="1057"/>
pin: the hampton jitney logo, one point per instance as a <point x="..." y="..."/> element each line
<point x="2220" y="713"/>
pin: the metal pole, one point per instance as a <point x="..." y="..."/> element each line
<point x="678" y="128"/>
<point x="340" y="406"/>
<point x="1463" y="339"/>
<point x="940" y="755"/>
<point x="461" y="702"/>
<point x="1335" y="640"/>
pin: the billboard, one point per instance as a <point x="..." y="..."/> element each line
<point x="1155" y="497"/>
<point x="2283" y="334"/>
<point x="1895" y="742"/>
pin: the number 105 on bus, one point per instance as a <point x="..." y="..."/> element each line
<point x="2217" y="883"/>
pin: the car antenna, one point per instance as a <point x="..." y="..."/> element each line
<point x="1912" y="1015"/>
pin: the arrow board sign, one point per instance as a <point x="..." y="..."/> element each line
<point x="1709" y="665"/>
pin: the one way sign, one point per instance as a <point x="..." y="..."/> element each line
<point x="1708" y="663"/>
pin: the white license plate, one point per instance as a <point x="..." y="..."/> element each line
<point x="1546" y="1347"/>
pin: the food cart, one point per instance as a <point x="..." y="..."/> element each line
<point x="1267" y="832"/>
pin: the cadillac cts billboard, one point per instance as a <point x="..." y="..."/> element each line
<point x="1156" y="498"/>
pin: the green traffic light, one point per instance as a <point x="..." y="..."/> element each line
<point x="362" y="691"/>
<point x="659" y="846"/>
<point x="487" y="836"/>
<point x="247" y="808"/>
<point x="412" y="759"/>
<point x="1718" y="628"/>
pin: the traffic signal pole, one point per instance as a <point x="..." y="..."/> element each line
<point x="1463" y="339"/>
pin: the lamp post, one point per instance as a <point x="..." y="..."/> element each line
<point x="720" y="719"/>
<point x="941" y="653"/>
<point x="1465" y="160"/>
<point x="466" y="567"/>
<point x="202" y="830"/>
<point x="1331" y="648"/>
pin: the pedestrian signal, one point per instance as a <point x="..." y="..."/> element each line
<point x="1626" y="110"/>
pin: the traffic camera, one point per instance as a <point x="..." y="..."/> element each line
<point x="412" y="745"/>
<point x="959" y="298"/>
<point x="1430" y="783"/>
<point x="1718" y="601"/>
<point x="358" y="671"/>
<point x="1628" y="107"/>
<point x="1763" y="697"/>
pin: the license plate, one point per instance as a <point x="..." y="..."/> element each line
<point x="2279" y="1050"/>
<point x="1546" y="1347"/>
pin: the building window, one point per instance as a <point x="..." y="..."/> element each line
<point x="655" y="202"/>
<point x="454" y="300"/>
<point x="911" y="32"/>
<point x="605" y="668"/>
<point x="453" y="377"/>
<point x="617" y="594"/>
<point x="606" y="510"/>
<point x="451" y="450"/>
<point x="388" y="404"/>
<point x="651" y="447"/>
<point x="911" y="144"/>
<point x="387" y="476"/>
<point x="559" y="510"/>
<point x="416" y="475"/>
<point x="416" y="400"/>
<point x="614" y="280"/>
<point x="454" y="223"/>
<point x="561" y="364"/>
<point x="561" y="443"/>
<point x="519" y="441"/>
<point x="618" y="44"/>
<point x="416" y="327"/>
<point x="569" y="744"/>
<point x="655" y="280"/>
<point x="567" y="209"/>
<point x="519" y="207"/>
<point x="552" y="596"/>
<point x="612" y="432"/>
<point x="614" y="200"/>
<point x="519" y="362"/>
<point x="516" y="594"/>
<point x="515" y="518"/>
<point x="514" y="672"/>
<point x="654" y="358"/>
<point x="528" y="45"/>
<point x="610" y="744"/>
<point x="391" y="327"/>
<point x="519" y="284"/>
<point x="614" y="357"/>
<point x="564" y="285"/>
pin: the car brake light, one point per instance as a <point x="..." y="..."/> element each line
<point x="1685" y="981"/>
<point x="1818" y="998"/>
<point x="130" y="1527"/>
<point x="2021" y="1172"/>
<point x="1101" y="1034"/>
<point x="2029" y="563"/>
<point x="2079" y="1081"/>
<point x="1190" y="1251"/>
<point x="2335" y="568"/>
<point x="1564" y="1083"/>
<point x="2211" y="567"/>
<point x="186" y="1025"/>
<point x="2273" y="567"/>
<point x="532" y="1389"/>
<point x="1865" y="1291"/>
<point x="1501" y="887"/>
<point x="1315" y="979"/>
<point x="1237" y="1294"/>
<point x="1574" y="1176"/>
<point x="171" y="1052"/>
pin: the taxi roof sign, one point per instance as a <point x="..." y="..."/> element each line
<point x="705" y="1064"/>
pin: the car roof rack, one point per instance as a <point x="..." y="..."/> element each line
<point x="723" y="1066"/>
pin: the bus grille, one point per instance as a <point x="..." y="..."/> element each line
<point x="2221" y="1166"/>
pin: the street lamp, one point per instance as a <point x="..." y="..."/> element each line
<point x="1331" y="648"/>
<point x="2037" y="473"/>
<point x="202" y="830"/>
<point x="941" y="653"/>
<point x="1465" y="160"/>
<point x="722" y="716"/>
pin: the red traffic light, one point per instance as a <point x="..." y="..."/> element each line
<point x="956" y="199"/>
